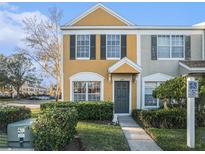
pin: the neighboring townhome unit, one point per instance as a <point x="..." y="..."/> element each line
<point x="106" y="57"/>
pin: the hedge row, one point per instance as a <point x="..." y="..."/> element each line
<point x="161" y="118"/>
<point x="86" y="110"/>
<point x="170" y="118"/>
<point x="54" y="129"/>
<point x="200" y="118"/>
<point x="11" y="114"/>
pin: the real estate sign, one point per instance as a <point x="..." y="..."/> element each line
<point x="192" y="87"/>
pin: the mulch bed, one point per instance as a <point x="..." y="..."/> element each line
<point x="75" y="145"/>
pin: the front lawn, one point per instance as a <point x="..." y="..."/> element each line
<point x="96" y="136"/>
<point x="3" y="140"/>
<point x="175" y="139"/>
<point x="35" y="112"/>
<point x="101" y="137"/>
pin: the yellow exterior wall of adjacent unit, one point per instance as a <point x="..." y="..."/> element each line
<point x="125" y="68"/>
<point x="99" y="17"/>
<point x="132" y="47"/>
<point x="72" y="67"/>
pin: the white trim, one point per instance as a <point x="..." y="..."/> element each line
<point x="130" y="96"/>
<point x="146" y="28"/>
<point x="87" y="76"/>
<point x="138" y="49"/>
<point x="92" y="9"/>
<point x="170" y="48"/>
<point x="82" y="58"/>
<point x="192" y="69"/>
<point x="113" y="58"/>
<point x="138" y="87"/>
<point x="62" y="67"/>
<point x="109" y="30"/>
<point x="76" y="48"/>
<point x="203" y="46"/>
<point x="171" y="59"/>
<point x="127" y="61"/>
<point x="157" y="77"/>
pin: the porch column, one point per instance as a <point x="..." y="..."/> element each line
<point x="138" y="87"/>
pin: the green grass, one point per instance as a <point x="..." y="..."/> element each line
<point x="175" y="139"/>
<point x="35" y="112"/>
<point x="101" y="137"/>
<point x="3" y="140"/>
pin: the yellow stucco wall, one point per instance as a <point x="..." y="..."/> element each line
<point x="72" y="67"/>
<point x="103" y="19"/>
<point x="125" y="68"/>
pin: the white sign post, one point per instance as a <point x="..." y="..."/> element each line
<point x="192" y="93"/>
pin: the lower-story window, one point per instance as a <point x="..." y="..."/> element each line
<point x="150" y="101"/>
<point x="86" y="90"/>
<point x="79" y="91"/>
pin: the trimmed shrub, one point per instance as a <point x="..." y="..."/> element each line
<point x="54" y="129"/>
<point x="200" y="118"/>
<point x="161" y="118"/>
<point x="9" y="114"/>
<point x="86" y="110"/>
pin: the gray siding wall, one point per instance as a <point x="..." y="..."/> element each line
<point x="169" y="67"/>
<point x="196" y="47"/>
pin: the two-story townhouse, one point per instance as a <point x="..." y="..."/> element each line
<point x="106" y="57"/>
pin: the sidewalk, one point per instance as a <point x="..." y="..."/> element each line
<point x="136" y="137"/>
<point x="15" y="149"/>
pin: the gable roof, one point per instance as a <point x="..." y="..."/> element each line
<point x="157" y="77"/>
<point x="97" y="6"/>
<point x="193" y="65"/>
<point x="123" y="61"/>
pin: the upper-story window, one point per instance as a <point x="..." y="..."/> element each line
<point x="113" y="47"/>
<point x="170" y="46"/>
<point x="83" y="46"/>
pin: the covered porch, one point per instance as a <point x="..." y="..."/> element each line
<point x="123" y="75"/>
<point x="194" y="68"/>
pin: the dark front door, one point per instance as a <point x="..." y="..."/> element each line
<point x="121" y="97"/>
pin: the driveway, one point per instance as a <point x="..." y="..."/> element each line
<point x="24" y="102"/>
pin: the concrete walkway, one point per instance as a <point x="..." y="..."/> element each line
<point x="15" y="149"/>
<point x="137" y="138"/>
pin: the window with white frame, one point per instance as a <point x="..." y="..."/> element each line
<point x="79" y="91"/>
<point x="113" y="47"/>
<point x="83" y="46"/>
<point x="150" y="101"/>
<point x="86" y="90"/>
<point x="170" y="46"/>
<point x="178" y="44"/>
<point x="93" y="91"/>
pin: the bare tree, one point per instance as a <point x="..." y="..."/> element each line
<point x="43" y="40"/>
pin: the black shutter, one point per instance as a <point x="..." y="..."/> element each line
<point x="123" y="46"/>
<point x="92" y="47"/>
<point x="154" y="47"/>
<point x="103" y="47"/>
<point x="72" y="47"/>
<point x="187" y="48"/>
